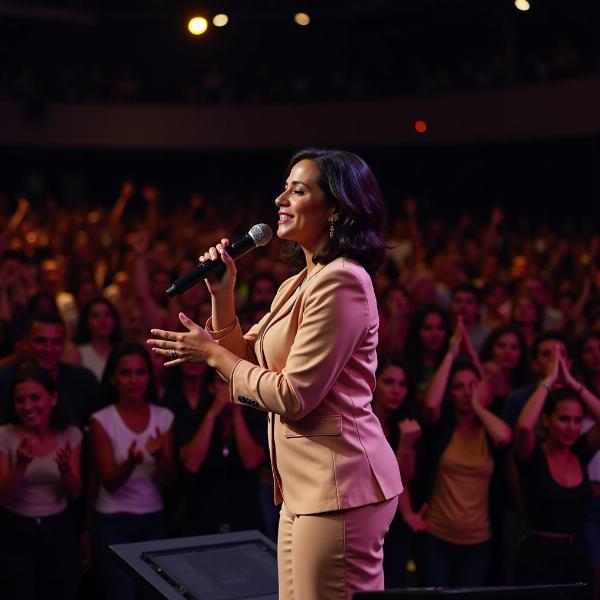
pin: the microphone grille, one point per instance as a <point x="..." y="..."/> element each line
<point x="261" y="234"/>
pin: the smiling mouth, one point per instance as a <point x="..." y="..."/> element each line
<point x="284" y="218"/>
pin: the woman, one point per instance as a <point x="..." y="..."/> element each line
<point x="505" y="359"/>
<point x="393" y="404"/>
<point x="218" y="446"/>
<point x="310" y="363"/>
<point x="528" y="316"/>
<point x="39" y="472"/>
<point x="132" y="449"/>
<point x="454" y="474"/>
<point x="555" y="487"/>
<point x="426" y="343"/>
<point x="98" y="332"/>
<point x="394" y="315"/>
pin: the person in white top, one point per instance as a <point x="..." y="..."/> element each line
<point x="39" y="472"/>
<point x="98" y="331"/>
<point x="132" y="449"/>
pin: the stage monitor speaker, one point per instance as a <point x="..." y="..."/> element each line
<point x="228" y="566"/>
<point x="575" y="591"/>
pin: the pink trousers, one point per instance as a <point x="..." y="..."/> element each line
<point x="329" y="556"/>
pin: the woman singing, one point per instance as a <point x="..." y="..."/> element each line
<point x="310" y="363"/>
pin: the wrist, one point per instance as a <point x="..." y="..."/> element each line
<point x="546" y="384"/>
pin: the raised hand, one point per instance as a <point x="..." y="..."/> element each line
<point x="553" y="371"/>
<point x="416" y="521"/>
<point x="134" y="455"/>
<point x="155" y="444"/>
<point x="63" y="458"/>
<point x="456" y="341"/>
<point x="28" y="448"/>
<point x="410" y="432"/>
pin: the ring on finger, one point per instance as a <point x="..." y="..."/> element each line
<point x="174" y="354"/>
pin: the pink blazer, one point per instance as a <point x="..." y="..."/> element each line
<point x="310" y="362"/>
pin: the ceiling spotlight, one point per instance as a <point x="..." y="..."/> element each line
<point x="522" y="5"/>
<point x="220" y="20"/>
<point x="301" y="18"/>
<point x="197" y="25"/>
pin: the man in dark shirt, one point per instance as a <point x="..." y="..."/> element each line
<point x="44" y="345"/>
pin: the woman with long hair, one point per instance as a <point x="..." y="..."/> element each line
<point x="40" y="454"/>
<point x="132" y="450"/>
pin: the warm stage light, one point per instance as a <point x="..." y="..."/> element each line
<point x="420" y="126"/>
<point x="522" y="5"/>
<point x="220" y="20"/>
<point x="197" y="25"/>
<point x="301" y="19"/>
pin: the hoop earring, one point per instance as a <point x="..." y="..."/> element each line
<point x="331" y="229"/>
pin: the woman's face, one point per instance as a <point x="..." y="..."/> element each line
<point x="461" y="389"/>
<point x="506" y="351"/>
<point x="590" y="355"/>
<point x="392" y="387"/>
<point x="34" y="404"/>
<point x="131" y="377"/>
<point x="101" y="321"/>
<point x="564" y="424"/>
<point x="303" y="212"/>
<point x="432" y="332"/>
<point x="524" y="311"/>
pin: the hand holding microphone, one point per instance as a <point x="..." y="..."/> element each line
<point x="259" y="235"/>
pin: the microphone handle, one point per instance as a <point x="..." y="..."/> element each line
<point x="202" y="271"/>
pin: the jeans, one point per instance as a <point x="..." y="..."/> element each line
<point x="443" y="564"/>
<point x="39" y="557"/>
<point x="121" y="528"/>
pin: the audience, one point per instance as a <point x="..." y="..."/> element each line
<point x="74" y="284"/>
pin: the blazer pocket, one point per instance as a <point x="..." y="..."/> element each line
<point x="313" y="426"/>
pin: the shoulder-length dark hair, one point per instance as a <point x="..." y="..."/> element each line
<point x="83" y="333"/>
<point x="59" y="416"/>
<point x="521" y="374"/>
<point x="108" y="390"/>
<point x="349" y="185"/>
<point x="582" y="371"/>
<point x="413" y="348"/>
<point x="408" y="408"/>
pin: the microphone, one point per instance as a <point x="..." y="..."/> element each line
<point x="259" y="235"/>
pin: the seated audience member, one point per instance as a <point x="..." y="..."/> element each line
<point x="218" y="444"/>
<point x="426" y="343"/>
<point x="466" y="303"/>
<point x="453" y="476"/>
<point x="553" y="477"/>
<point x="394" y="406"/>
<point x="505" y="360"/>
<point x="43" y="347"/>
<point x="132" y="450"/>
<point x="98" y="332"/>
<point x="395" y="309"/>
<point x="39" y="472"/>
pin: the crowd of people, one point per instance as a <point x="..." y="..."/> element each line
<point x="487" y="390"/>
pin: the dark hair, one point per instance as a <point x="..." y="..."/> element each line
<point x="580" y="368"/>
<point x="108" y="390"/>
<point x="51" y="318"/>
<point x="462" y="364"/>
<point x="349" y="185"/>
<point x="549" y="335"/>
<point x="35" y="300"/>
<point x="413" y="347"/>
<point x="59" y="416"/>
<point x="83" y="333"/>
<point x="521" y="374"/>
<point x="539" y="310"/>
<point x="263" y="276"/>
<point x="468" y="288"/>
<point x="555" y="397"/>
<point x="408" y="408"/>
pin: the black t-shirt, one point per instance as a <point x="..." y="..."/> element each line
<point x="549" y="506"/>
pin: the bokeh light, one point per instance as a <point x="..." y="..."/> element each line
<point x="197" y="25"/>
<point x="301" y="18"/>
<point x="220" y="20"/>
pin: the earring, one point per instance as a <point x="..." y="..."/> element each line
<point x="331" y="229"/>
